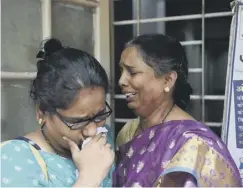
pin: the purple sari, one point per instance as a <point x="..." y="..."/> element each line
<point x="176" y="153"/>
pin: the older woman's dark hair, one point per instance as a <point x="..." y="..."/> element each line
<point x="61" y="73"/>
<point x="165" y="54"/>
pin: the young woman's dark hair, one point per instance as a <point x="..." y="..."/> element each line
<point x="61" y="73"/>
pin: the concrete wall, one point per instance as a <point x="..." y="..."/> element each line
<point x="21" y="36"/>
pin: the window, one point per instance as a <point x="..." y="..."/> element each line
<point x="23" y="28"/>
<point x="203" y="28"/>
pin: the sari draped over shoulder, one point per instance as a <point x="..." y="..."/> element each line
<point x="176" y="153"/>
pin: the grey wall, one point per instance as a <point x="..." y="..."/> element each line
<point x="21" y="36"/>
<point x="21" y="33"/>
<point x="73" y="25"/>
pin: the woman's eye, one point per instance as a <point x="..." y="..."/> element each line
<point x="133" y="73"/>
<point x="73" y="121"/>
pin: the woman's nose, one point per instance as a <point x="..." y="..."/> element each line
<point x="90" y="130"/>
<point x="123" y="80"/>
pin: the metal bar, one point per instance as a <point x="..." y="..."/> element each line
<point x="119" y="96"/>
<point x="195" y="70"/>
<point x="125" y="22"/>
<point x="164" y="19"/>
<point x="208" y="97"/>
<point x="102" y="44"/>
<point x="122" y="120"/>
<point x="193" y="97"/>
<point x="175" y="18"/>
<point x="193" y="42"/>
<point x="172" y="18"/>
<point x="218" y="14"/>
<point x="84" y="3"/>
<point x="46" y="18"/>
<point x="18" y="75"/>
<point x="214" y="124"/>
<point x="203" y="60"/>
<point x="138" y="16"/>
<point x="214" y="97"/>
<point x="112" y="58"/>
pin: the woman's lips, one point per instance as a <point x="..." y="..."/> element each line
<point x="130" y="96"/>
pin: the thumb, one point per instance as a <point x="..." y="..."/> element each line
<point x="72" y="145"/>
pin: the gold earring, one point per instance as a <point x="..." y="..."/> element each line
<point x="40" y="121"/>
<point x="166" y="89"/>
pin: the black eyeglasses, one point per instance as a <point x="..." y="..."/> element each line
<point x="82" y="122"/>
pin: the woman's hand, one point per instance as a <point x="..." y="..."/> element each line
<point x="93" y="161"/>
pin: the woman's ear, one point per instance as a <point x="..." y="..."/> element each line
<point x="170" y="79"/>
<point x="39" y="114"/>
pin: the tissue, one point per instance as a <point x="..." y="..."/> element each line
<point x="98" y="131"/>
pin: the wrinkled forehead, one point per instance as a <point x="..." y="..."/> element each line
<point x="131" y="57"/>
<point x="88" y="102"/>
<point x="129" y="52"/>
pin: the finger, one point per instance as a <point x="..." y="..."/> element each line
<point x="96" y="137"/>
<point x="108" y="145"/>
<point x="102" y="140"/>
<point x="72" y="145"/>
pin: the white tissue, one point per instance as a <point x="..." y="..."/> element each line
<point x="98" y="131"/>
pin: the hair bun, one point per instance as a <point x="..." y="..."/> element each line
<point x="52" y="46"/>
<point x="49" y="47"/>
<point x="182" y="93"/>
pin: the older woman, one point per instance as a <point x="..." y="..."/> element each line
<point x="69" y="92"/>
<point x="165" y="146"/>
